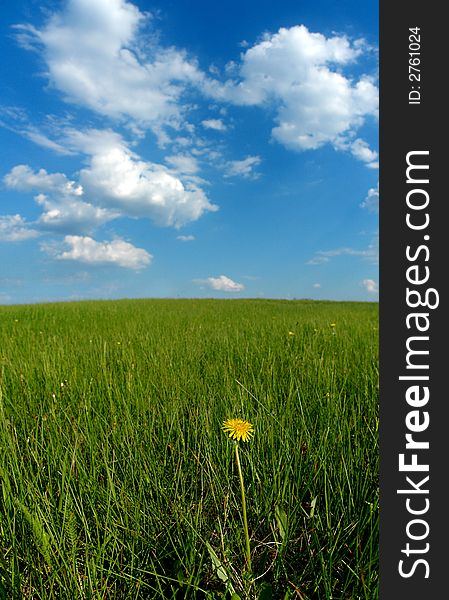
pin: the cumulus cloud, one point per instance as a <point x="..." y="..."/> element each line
<point x="370" y="286"/>
<point x="371" y="202"/>
<point x="116" y="182"/>
<point x="95" y="55"/>
<point x="23" y="178"/>
<point x="87" y="250"/>
<point x="185" y="238"/>
<point x="300" y="73"/>
<point x="14" y="228"/>
<point x="62" y="204"/>
<point x="221" y="284"/>
<point x="243" y="168"/>
<point x="71" y="215"/>
<point x="117" y="178"/>
<point x="215" y="124"/>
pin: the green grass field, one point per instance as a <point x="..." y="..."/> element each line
<point x="119" y="483"/>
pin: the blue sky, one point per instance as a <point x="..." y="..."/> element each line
<point x="188" y="149"/>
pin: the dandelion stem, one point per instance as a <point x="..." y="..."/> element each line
<point x="245" y="521"/>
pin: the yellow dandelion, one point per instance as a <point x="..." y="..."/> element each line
<point x="291" y="333"/>
<point x="333" y="324"/>
<point x="238" y="429"/>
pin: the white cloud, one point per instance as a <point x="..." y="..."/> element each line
<point x="185" y="238"/>
<point x="86" y="250"/>
<point x="371" y="254"/>
<point x="17" y="121"/>
<point x="318" y="259"/>
<point x="97" y="57"/>
<point x="116" y="178"/>
<point x="316" y="285"/>
<point x="44" y="141"/>
<point x="243" y="168"/>
<point x="360" y="149"/>
<point x="301" y="74"/>
<point x="371" y="202"/>
<point x="221" y="284"/>
<point x="370" y="285"/>
<point x="183" y="163"/>
<point x="63" y="208"/>
<point x="23" y="178"/>
<point x="116" y="182"/>
<point x="71" y="215"/>
<point x="14" y="228"/>
<point x="216" y="124"/>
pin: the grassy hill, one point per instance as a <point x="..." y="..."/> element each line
<point x="118" y="481"/>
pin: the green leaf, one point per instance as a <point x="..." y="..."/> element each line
<point x="219" y="568"/>
<point x="312" y="507"/>
<point x="281" y="520"/>
<point x="40" y="535"/>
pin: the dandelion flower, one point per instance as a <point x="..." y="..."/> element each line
<point x="238" y="429"/>
<point x="291" y="333"/>
<point x="333" y="324"/>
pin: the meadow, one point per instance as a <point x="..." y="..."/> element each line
<point x="118" y="482"/>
